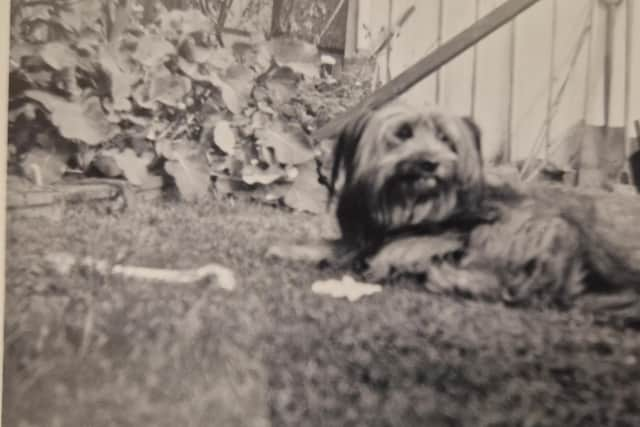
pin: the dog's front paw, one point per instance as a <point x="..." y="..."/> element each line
<point x="411" y="255"/>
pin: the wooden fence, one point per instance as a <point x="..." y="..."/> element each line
<point x="535" y="85"/>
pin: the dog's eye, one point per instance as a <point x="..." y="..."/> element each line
<point x="404" y="132"/>
<point x="442" y="136"/>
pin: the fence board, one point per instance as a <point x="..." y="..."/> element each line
<point x="595" y="107"/>
<point x="617" y="113"/>
<point x="457" y="77"/>
<point x="493" y="85"/>
<point x="533" y="49"/>
<point x="571" y="54"/>
<point x="633" y="69"/>
<point x="512" y="97"/>
<point x="410" y="48"/>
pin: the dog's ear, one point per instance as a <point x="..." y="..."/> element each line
<point x="475" y="132"/>
<point x="345" y="149"/>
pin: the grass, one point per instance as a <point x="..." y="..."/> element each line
<point x="101" y="351"/>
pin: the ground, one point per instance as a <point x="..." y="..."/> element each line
<point x="101" y="351"/>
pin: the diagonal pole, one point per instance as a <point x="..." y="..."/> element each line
<point x="432" y="62"/>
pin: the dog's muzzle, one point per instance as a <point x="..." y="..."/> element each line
<point x="420" y="174"/>
<point x="424" y="172"/>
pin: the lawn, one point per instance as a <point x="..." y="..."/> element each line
<point x="89" y="350"/>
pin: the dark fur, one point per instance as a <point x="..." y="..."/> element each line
<point x="371" y="192"/>
<point x="545" y="241"/>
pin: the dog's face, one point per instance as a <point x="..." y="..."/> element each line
<point x="401" y="167"/>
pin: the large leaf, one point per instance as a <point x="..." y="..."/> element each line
<point x="281" y="86"/>
<point x="107" y="166"/>
<point x="133" y="167"/>
<point x="203" y="74"/>
<point x="255" y="175"/>
<point x="242" y="80"/>
<point x="82" y="15"/>
<point x="82" y="120"/>
<point x="291" y="147"/>
<point x="178" y="22"/>
<point x="121" y="79"/>
<point x="187" y="164"/>
<point x="36" y="12"/>
<point x="307" y="194"/>
<point x="230" y="98"/>
<point x="58" y="55"/>
<point x="43" y="167"/>
<point x="189" y="51"/>
<point x="255" y="56"/>
<point x="168" y="88"/>
<point x="153" y="51"/>
<point x="300" y="56"/>
<point x="220" y="59"/>
<point x="19" y="51"/>
<point x="87" y="45"/>
<point x="224" y="137"/>
<point x="197" y="72"/>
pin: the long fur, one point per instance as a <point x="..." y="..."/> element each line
<point x="380" y="192"/>
<point x="531" y="243"/>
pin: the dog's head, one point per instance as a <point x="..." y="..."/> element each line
<point x="400" y="167"/>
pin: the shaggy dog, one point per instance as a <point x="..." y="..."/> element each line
<point x="412" y="198"/>
<point x="404" y="169"/>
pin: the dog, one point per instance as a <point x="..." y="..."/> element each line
<point x="404" y="181"/>
<point x="403" y="169"/>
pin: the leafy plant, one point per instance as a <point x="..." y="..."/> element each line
<point x="131" y="94"/>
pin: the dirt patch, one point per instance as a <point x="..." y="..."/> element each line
<point x="90" y="350"/>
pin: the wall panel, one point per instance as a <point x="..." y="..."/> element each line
<point x="417" y="37"/>
<point x="457" y="78"/>
<point x="633" y="68"/>
<point x="569" y="94"/>
<point x="531" y="79"/>
<point x="493" y="85"/>
<point x="531" y="83"/>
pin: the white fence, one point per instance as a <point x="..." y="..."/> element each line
<point x="529" y="85"/>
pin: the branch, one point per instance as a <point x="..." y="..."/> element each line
<point x="330" y="21"/>
<point x="432" y="62"/>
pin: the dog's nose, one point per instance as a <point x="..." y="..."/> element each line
<point x="427" y="166"/>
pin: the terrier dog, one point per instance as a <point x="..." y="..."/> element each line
<point x="404" y="170"/>
<point x="404" y="179"/>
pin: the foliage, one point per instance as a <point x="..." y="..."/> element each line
<point x="125" y="98"/>
<point x="302" y="19"/>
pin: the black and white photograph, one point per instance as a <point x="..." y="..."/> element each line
<point x="288" y="213"/>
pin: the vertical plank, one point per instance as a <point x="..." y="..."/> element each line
<point x="633" y="69"/>
<point x="438" y="73"/>
<point x="365" y="34"/>
<point x="618" y="78"/>
<point x="606" y="150"/>
<point x="380" y="24"/>
<point x="351" y="46"/>
<point x="552" y="65"/>
<point x="493" y="81"/>
<point x="418" y="37"/>
<point x="456" y="78"/>
<point x="386" y="71"/>
<point x="571" y="53"/>
<point x="595" y="103"/>
<point x="531" y="85"/>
